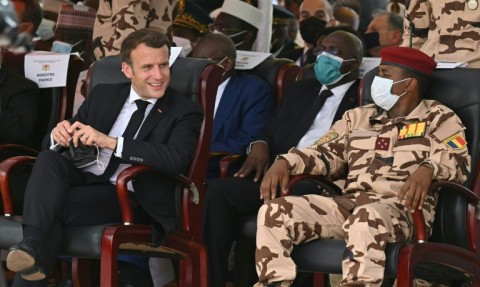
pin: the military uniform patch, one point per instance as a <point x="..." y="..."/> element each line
<point x="455" y="142"/>
<point x="412" y="131"/>
<point x="327" y="138"/>
<point x="382" y="143"/>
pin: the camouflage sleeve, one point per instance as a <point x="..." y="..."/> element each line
<point x="113" y="23"/>
<point x="418" y="13"/>
<point x="325" y="157"/>
<point x="449" y="158"/>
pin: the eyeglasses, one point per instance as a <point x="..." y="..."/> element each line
<point x="218" y="60"/>
<point x="318" y="50"/>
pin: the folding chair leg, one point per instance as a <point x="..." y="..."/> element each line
<point x="195" y="262"/>
<point x="81" y="272"/>
<point x="111" y="239"/>
<point x="319" y="279"/>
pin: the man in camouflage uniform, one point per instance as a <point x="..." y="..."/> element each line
<point x="116" y="19"/>
<point x="446" y="30"/>
<point x="392" y="150"/>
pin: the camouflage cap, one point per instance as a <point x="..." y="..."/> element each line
<point x="409" y="59"/>
<point x="192" y="16"/>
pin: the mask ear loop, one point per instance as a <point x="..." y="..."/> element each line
<point x="100" y="164"/>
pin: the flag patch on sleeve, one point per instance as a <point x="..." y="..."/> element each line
<point x="455" y="142"/>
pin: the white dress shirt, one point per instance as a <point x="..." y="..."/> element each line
<point x="324" y="119"/>
<point x="117" y="130"/>
<point x="220" y="90"/>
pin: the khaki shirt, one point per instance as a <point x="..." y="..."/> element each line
<point x="114" y="23"/>
<point x="381" y="153"/>
<point x="453" y="30"/>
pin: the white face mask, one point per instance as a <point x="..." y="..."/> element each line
<point x="232" y="36"/>
<point x="381" y="92"/>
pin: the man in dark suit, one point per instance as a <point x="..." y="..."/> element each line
<point x="306" y="111"/>
<point x="143" y="122"/>
<point x="18" y="107"/>
<point x="243" y="103"/>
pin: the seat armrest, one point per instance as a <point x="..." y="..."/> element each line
<point x="122" y="191"/>
<point x="470" y="196"/>
<point x="418" y="218"/>
<point x="328" y="185"/>
<point x="20" y="149"/>
<point x="226" y="162"/>
<point x="6" y="168"/>
<point x="130" y="173"/>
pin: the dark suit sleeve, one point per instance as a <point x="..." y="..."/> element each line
<point x="19" y="110"/>
<point x="283" y="117"/>
<point x="248" y="121"/>
<point x="172" y="156"/>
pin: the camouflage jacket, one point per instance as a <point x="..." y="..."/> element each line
<point x="448" y="30"/>
<point x="381" y="153"/>
<point x="118" y="18"/>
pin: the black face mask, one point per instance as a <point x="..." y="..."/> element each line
<point x="371" y="40"/>
<point x="310" y="27"/>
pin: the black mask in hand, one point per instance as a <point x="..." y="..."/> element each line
<point x="311" y="27"/>
<point x="82" y="155"/>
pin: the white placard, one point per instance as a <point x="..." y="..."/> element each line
<point x="247" y="60"/>
<point x="47" y="69"/>
<point x="174" y="53"/>
<point x="450" y="65"/>
<point x="368" y="64"/>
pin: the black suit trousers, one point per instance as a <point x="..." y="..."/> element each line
<point x="57" y="196"/>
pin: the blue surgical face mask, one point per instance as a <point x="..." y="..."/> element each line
<point x="63" y="47"/>
<point x="381" y="92"/>
<point x="327" y="68"/>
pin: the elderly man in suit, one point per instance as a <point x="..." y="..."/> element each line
<point x="306" y="111"/>
<point x="144" y="122"/>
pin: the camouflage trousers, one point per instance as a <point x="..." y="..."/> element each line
<point x="288" y="221"/>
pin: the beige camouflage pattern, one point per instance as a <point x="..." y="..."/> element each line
<point x="453" y="30"/>
<point x="116" y="21"/>
<point x="367" y="216"/>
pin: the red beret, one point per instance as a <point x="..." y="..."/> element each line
<point x="409" y="59"/>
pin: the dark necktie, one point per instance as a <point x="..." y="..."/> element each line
<point x="130" y="131"/>
<point x="136" y="119"/>
<point x="307" y="120"/>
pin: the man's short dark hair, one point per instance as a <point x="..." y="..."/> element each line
<point x="423" y="81"/>
<point x="151" y="37"/>
<point x="32" y="13"/>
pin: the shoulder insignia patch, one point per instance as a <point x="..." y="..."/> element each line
<point x="455" y="142"/>
<point x="412" y="131"/>
<point x="327" y="138"/>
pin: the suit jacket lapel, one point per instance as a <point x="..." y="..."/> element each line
<point x="349" y="101"/>
<point x="293" y="137"/>
<point x="227" y="103"/>
<point x="159" y="109"/>
<point x="116" y="101"/>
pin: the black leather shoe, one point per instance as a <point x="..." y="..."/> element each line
<point x="23" y="258"/>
